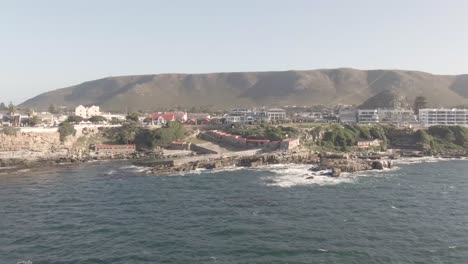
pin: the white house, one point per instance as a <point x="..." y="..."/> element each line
<point x="87" y="112"/>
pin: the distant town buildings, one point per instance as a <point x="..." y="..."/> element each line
<point x="443" y="116"/>
<point x="163" y="118"/>
<point x="398" y="117"/>
<point x="347" y="116"/>
<point x="276" y="114"/>
<point x="87" y="112"/>
<point x="368" y="116"/>
<point x="253" y="116"/>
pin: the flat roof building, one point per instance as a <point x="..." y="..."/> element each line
<point x="443" y="116"/>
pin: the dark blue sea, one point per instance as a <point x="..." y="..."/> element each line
<point x="111" y="213"/>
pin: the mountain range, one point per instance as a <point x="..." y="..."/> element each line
<point x="280" y="88"/>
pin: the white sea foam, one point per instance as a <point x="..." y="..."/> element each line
<point x="207" y="171"/>
<point x="135" y="168"/>
<point x="424" y="160"/>
<point x="24" y="262"/>
<point x="111" y="172"/>
<point x="289" y="175"/>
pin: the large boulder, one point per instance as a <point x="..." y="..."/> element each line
<point x="336" y="172"/>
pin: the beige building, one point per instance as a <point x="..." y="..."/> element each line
<point x="87" y="112"/>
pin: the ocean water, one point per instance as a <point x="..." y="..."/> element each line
<point x="111" y="213"/>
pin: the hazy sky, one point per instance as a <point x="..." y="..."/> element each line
<point x="45" y="45"/>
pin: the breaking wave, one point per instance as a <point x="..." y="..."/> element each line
<point x="424" y="160"/>
<point x="289" y="175"/>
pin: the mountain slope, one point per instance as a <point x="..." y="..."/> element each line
<point x="225" y="90"/>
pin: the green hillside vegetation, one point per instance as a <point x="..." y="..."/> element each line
<point x="445" y="139"/>
<point x="144" y="138"/>
<point x="335" y="137"/>
<point x="435" y="140"/>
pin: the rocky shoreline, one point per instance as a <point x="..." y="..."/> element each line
<point x="335" y="163"/>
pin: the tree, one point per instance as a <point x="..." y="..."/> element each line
<point x="53" y="109"/>
<point x="74" y="119"/>
<point x="148" y="120"/>
<point x="3" y="106"/>
<point x="126" y="133"/>
<point x="97" y="119"/>
<point x="11" y="108"/>
<point x="420" y="102"/>
<point x="66" y="129"/>
<point x="34" y="121"/>
<point x="132" y="117"/>
<point x="115" y="121"/>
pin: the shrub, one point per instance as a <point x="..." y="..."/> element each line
<point x="10" y="131"/>
<point x="97" y="119"/>
<point x="66" y="129"/>
<point x="74" y="119"/>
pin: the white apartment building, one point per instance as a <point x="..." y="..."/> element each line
<point x="443" y="116"/>
<point x="368" y="116"/>
<point x="87" y="112"/>
<point x="276" y="114"/>
<point x="399" y="117"/>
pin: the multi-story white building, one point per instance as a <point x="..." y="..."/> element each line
<point x="368" y="116"/>
<point x="399" y="117"/>
<point x="443" y="116"/>
<point x="276" y="113"/>
<point x="252" y="116"/>
<point x="87" y="112"/>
